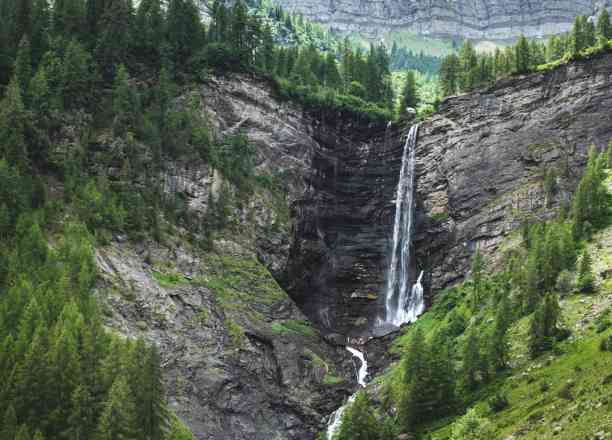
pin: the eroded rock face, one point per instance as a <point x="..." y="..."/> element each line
<point x="240" y="360"/>
<point x="482" y="159"/>
<point x="480" y="20"/>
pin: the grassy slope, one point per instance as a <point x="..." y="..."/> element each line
<point x="564" y="394"/>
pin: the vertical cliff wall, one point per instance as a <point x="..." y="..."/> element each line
<point x="480" y="20"/>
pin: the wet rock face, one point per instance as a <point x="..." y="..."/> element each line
<point x="482" y="160"/>
<point x="480" y="20"/>
<point x="343" y="227"/>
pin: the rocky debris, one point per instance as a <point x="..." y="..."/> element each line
<point x="484" y="20"/>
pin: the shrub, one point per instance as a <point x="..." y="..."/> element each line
<point x="606" y="344"/>
<point x="566" y="391"/>
<point x="499" y="402"/>
<point x="565" y="282"/>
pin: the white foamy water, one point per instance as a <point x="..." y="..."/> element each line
<point x="335" y="421"/>
<point x="402" y="303"/>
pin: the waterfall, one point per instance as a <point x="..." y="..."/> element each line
<point x="335" y="420"/>
<point x="403" y="304"/>
<point x="362" y="373"/>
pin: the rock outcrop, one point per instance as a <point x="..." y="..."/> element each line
<point x="482" y="160"/>
<point x="478" y="20"/>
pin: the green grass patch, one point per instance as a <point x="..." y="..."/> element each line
<point x="294" y="327"/>
<point x="170" y="279"/>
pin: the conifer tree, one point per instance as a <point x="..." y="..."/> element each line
<point x="332" y="75"/>
<point x="468" y="67"/>
<point x="449" y="75"/>
<point x="358" y="422"/>
<point x="124" y="103"/>
<point x="118" y="419"/>
<point x="522" y="56"/>
<point x="23" y="67"/>
<point x="76" y="76"/>
<point x="577" y="36"/>
<point x="604" y="28"/>
<point x="68" y="17"/>
<point x="112" y="47"/>
<point x="410" y="97"/>
<point x="543" y="325"/>
<point x="9" y="424"/>
<point x="586" y="280"/>
<point x="472" y="361"/>
<point x="184" y="32"/>
<point x="148" y="33"/>
<point x="23" y="433"/>
<point x="41" y="26"/>
<point x="13" y="122"/>
<point x="499" y="344"/>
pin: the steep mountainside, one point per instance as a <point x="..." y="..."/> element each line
<point x="252" y="366"/>
<point x="480" y="20"/>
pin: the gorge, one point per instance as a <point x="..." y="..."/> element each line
<point x="478" y="171"/>
<point x="220" y="221"/>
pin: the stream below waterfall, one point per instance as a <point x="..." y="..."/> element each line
<point x="335" y="420"/>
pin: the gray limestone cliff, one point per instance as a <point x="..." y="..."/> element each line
<point x="478" y="20"/>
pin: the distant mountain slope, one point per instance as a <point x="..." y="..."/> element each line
<point x="474" y="19"/>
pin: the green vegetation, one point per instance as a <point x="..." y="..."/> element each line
<point x="296" y="327"/>
<point x="242" y="286"/>
<point x="501" y="349"/>
<point x="470" y="70"/>
<point x="169" y="279"/>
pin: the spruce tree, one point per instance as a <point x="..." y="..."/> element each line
<point x="148" y="32"/>
<point x="9" y="424"/>
<point x="477" y="276"/>
<point x="112" y="47"/>
<point x="543" y="325"/>
<point x="76" y="76"/>
<point x="498" y="343"/>
<point x="184" y="31"/>
<point x="604" y="28"/>
<point x="358" y="422"/>
<point x="23" y="67"/>
<point x="124" y="103"/>
<point x="522" y="56"/>
<point x="449" y="75"/>
<point x="68" y="18"/>
<point x="410" y="97"/>
<point x="586" y="280"/>
<point x="118" y="420"/>
<point x="13" y="123"/>
<point x="41" y="26"/>
<point x="472" y="361"/>
<point x="577" y="36"/>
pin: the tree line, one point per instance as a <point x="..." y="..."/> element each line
<point x="468" y="70"/>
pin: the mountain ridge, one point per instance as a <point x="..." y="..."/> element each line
<point x="480" y="20"/>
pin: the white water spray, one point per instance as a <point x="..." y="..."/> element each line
<point x="403" y="304"/>
<point x="335" y="420"/>
<point x="362" y="373"/>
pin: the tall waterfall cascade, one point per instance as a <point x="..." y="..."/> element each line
<point x="335" y="420"/>
<point x="404" y="303"/>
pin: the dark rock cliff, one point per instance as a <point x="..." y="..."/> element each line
<point x="482" y="159"/>
<point x="480" y="20"/>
